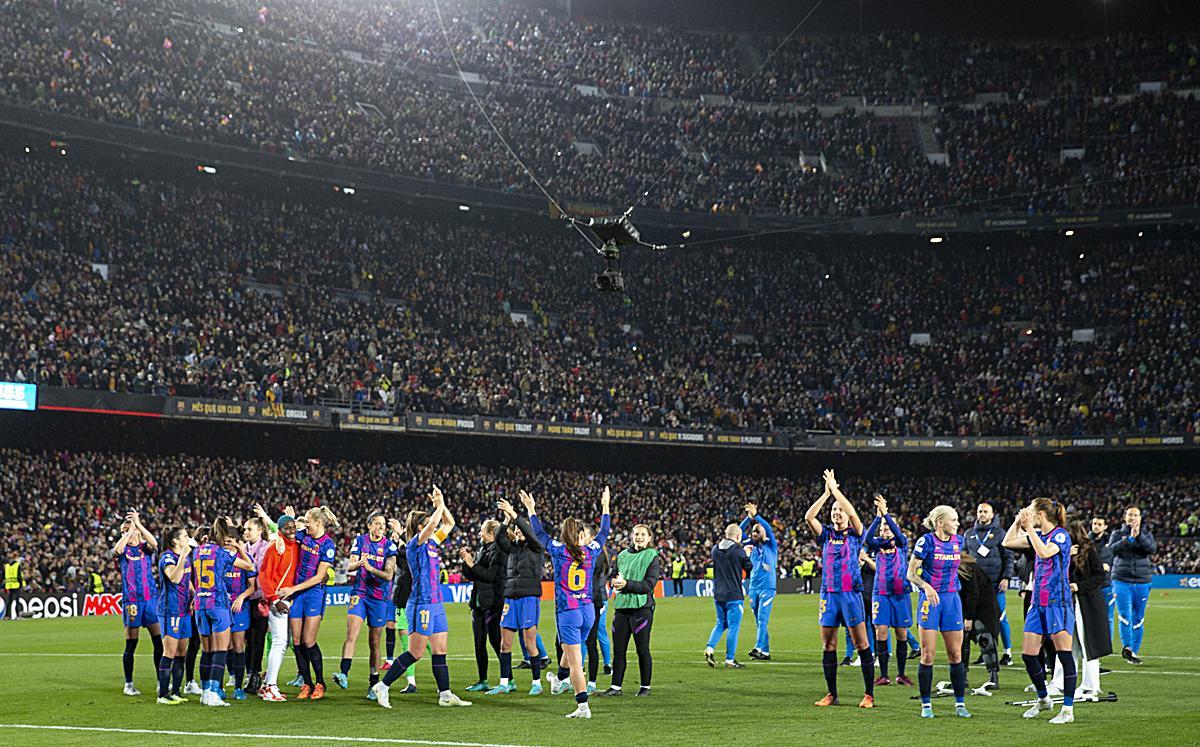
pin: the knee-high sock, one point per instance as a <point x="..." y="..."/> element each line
<point x="412" y="669"/>
<point x="238" y="667"/>
<point x="867" y="661"/>
<point x="881" y="647"/>
<point x="1037" y="673"/>
<point x="441" y="672"/>
<point x="205" y="669"/>
<point x="901" y="659"/>
<point x="958" y="680"/>
<point x="829" y="664"/>
<point x="506" y="667"/>
<point x="346" y="664"/>
<point x="301" y="652"/>
<point x="127" y="658"/>
<point x="391" y="643"/>
<point x="164" y="676"/>
<point x="192" y="653"/>
<point x="218" y="668"/>
<point x="177" y="666"/>
<point x="925" y="682"/>
<point x="156" y="643"/>
<point x="1070" y="677"/>
<point x="405" y="661"/>
<point x="318" y="664"/>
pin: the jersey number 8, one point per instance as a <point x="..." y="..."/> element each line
<point x="576" y="577"/>
<point x="204" y="572"/>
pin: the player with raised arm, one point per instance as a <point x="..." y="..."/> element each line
<point x="211" y="565"/>
<point x="841" y="588"/>
<point x="1042" y="526"/>
<point x="574" y="560"/>
<point x="934" y="570"/>
<point x="241" y="584"/>
<point x="175" y="612"/>
<point x="522" y="596"/>
<point x="891" y="606"/>
<point x="426" y="615"/>
<point x="139" y="600"/>
<point x="373" y="561"/>
<point x="764" y="557"/>
<point x="316" y="555"/>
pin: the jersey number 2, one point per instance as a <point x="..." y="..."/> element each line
<point x="576" y="577"/>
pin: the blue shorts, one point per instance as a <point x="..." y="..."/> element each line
<point x="179" y="628"/>
<point x="239" y="622"/>
<point x="426" y="619"/>
<point x="391" y="610"/>
<point x="892" y="610"/>
<point x="574" y="625"/>
<point x="1058" y="618"/>
<point x="947" y="615"/>
<point x="140" y="614"/>
<point x="216" y="620"/>
<point x="374" y="611"/>
<point x="841" y="608"/>
<point x="521" y="613"/>
<point x="308" y="603"/>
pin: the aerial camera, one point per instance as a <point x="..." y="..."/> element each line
<point x="612" y="233"/>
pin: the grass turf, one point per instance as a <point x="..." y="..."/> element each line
<point x="68" y="672"/>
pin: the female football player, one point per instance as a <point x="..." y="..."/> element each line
<point x="307" y="597"/>
<point x="174" y="610"/>
<point x="373" y="561"/>
<point x="211" y="565"/>
<point x="139" y="599"/>
<point x="934" y="570"/>
<point x="522" y="596"/>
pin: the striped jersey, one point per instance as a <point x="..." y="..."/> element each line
<point x="375" y="553"/>
<point x="313" y="552"/>
<point x="236" y="580"/>
<point x="1052" y="576"/>
<point x="175" y="599"/>
<point x="572" y="579"/>
<point x="137" y="574"/>
<point x="210" y="569"/>
<point x="425" y="563"/>
<point x="939" y="560"/>
<point x="891" y="558"/>
<point x="840" y="569"/>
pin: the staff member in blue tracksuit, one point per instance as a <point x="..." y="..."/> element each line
<point x="985" y="544"/>
<point x="1099" y="540"/>
<point x="729" y="566"/>
<point x="764" y="559"/>
<point x="1132" y="547"/>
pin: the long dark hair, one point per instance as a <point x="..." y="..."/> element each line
<point x="1080" y="539"/>
<point x="569" y="534"/>
<point x="413" y="522"/>
<point x="222" y="530"/>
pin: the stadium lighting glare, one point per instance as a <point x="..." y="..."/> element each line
<point x="686" y="234"/>
<point x="206" y="169"/>
<point x="1029" y="332"/>
<point x="826" y="276"/>
<point x="26" y="148"/>
<point x="348" y="190"/>
<point x="464" y="208"/>
<point x="1140" y="233"/>
<point x="1081" y="256"/>
<point x="936" y="239"/>
<point x="1068" y="232"/>
<point x="62" y="151"/>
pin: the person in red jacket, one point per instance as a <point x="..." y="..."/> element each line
<point x="278" y="571"/>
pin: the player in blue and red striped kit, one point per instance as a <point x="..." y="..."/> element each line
<point x="175" y="612"/>
<point x="316" y="553"/>
<point x="211" y="565"/>
<point x="1043" y="526"/>
<point x="934" y="570"/>
<point x="373" y="561"/>
<point x="841" y="588"/>
<point x="574" y="559"/>
<point x="139" y="599"/>
<point x="891" y="604"/>
<point x="425" y="613"/>
<point x="241" y="584"/>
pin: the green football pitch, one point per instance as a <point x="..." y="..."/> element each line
<point x="62" y="685"/>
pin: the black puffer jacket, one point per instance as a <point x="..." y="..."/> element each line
<point x="489" y="574"/>
<point x="525" y="562"/>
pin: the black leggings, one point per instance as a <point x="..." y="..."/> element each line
<point x="256" y="638"/>
<point x="485" y="624"/>
<point x="591" y="645"/>
<point x="636" y="623"/>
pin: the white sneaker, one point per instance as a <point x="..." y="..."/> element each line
<point x="209" y="698"/>
<point x="558" y="687"/>
<point x="131" y="690"/>
<point x="1042" y="704"/>
<point x="192" y="688"/>
<point x="854" y="662"/>
<point x="1054" y="691"/>
<point x="583" y="710"/>
<point x="450" y="699"/>
<point x="1066" y="715"/>
<point x="382" y="696"/>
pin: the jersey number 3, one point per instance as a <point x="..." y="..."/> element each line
<point x="576" y="577"/>
<point x="204" y="573"/>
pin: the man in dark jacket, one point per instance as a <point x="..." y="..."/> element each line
<point x="730" y="565"/>
<point x="984" y="543"/>
<point x="487" y="568"/>
<point x="1132" y="547"/>
<point x="981" y="616"/>
<point x="1099" y="537"/>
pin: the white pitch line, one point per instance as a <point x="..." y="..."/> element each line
<point x="232" y="735"/>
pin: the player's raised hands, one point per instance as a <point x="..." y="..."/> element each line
<point x="605" y="500"/>
<point x="751" y="509"/>
<point x="526" y="501"/>
<point x="507" y="508"/>
<point x="881" y="506"/>
<point x="831" y="482"/>
<point x="438" y="499"/>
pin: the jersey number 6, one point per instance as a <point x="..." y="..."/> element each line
<point x="576" y="577"/>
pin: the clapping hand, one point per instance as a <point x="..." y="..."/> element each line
<point x="507" y="509"/>
<point x="751" y="509"/>
<point x="605" y="498"/>
<point x="881" y="506"/>
<point x="526" y="501"/>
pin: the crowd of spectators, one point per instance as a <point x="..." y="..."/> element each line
<point x="355" y="83"/>
<point x="231" y="295"/>
<point x="62" y="510"/>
